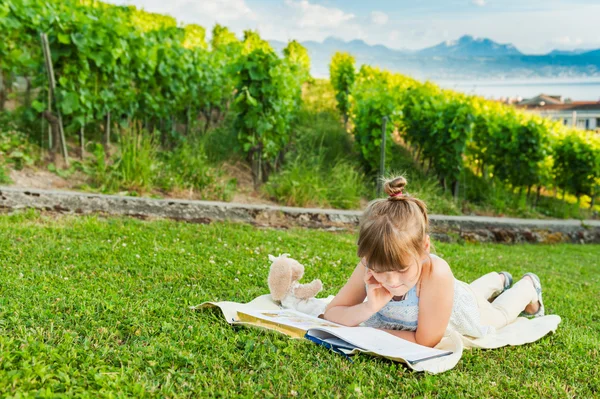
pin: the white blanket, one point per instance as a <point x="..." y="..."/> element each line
<point x="520" y="332"/>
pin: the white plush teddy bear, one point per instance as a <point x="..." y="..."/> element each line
<point x="285" y="288"/>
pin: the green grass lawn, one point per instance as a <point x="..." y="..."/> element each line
<point x="98" y="307"/>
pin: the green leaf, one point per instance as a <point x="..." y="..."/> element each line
<point x="69" y="103"/>
<point x="251" y="99"/>
<point x="38" y="106"/>
<point x="63" y="38"/>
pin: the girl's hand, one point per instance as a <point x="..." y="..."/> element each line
<point x="377" y="295"/>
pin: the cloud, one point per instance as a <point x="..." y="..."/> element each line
<point x="222" y="10"/>
<point x="568" y="41"/>
<point x="205" y="12"/>
<point x="421" y="27"/>
<point x="317" y="16"/>
<point x="379" y="18"/>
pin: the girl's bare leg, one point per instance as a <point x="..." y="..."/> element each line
<point x="533" y="307"/>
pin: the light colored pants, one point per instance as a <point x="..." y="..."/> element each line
<point x="505" y="308"/>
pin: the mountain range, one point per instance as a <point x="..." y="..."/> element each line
<point x="465" y="58"/>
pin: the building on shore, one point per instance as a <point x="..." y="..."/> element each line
<point x="579" y="114"/>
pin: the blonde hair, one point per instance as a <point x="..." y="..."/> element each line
<point x="393" y="230"/>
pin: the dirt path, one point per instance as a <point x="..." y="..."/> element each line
<point x="45" y="180"/>
<point x="32" y="178"/>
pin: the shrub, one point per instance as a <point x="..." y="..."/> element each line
<point x="16" y="149"/>
<point x="428" y="189"/>
<point x="100" y="171"/>
<point x="187" y="167"/>
<point x="577" y="163"/>
<point x="221" y="144"/>
<point x="321" y="134"/>
<point x="132" y="168"/>
<point x="342" y="74"/>
<point x="344" y="186"/>
<point x="299" y="183"/>
<point x="307" y="181"/>
<point x="136" y="164"/>
<point x="265" y="104"/>
<point x="4" y="177"/>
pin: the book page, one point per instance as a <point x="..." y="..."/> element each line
<point x="368" y="339"/>
<point x="339" y="343"/>
<point x="381" y="343"/>
<point x="291" y="318"/>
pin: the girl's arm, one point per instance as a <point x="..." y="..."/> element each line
<point x="407" y="335"/>
<point x="347" y="307"/>
<point x="436" y="298"/>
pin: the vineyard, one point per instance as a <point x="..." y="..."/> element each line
<point x="115" y="65"/>
<point x="147" y="98"/>
<point x="449" y="132"/>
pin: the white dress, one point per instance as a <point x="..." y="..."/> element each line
<point x="403" y="315"/>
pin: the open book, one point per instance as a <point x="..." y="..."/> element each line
<point x="339" y="338"/>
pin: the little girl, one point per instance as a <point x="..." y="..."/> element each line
<point x="412" y="293"/>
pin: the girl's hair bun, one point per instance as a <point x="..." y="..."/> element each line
<point x="394" y="187"/>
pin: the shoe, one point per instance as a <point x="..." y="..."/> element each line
<point x="538" y="288"/>
<point x="508" y="280"/>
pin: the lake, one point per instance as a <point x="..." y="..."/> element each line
<point x="587" y="89"/>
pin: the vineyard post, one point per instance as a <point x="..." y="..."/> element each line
<point x="81" y="140"/>
<point x="455" y="189"/>
<point x="52" y="88"/>
<point x="2" y="90"/>
<point x="43" y="129"/>
<point x="107" y="133"/>
<point x="537" y="196"/>
<point x="188" y="121"/>
<point x="384" y="121"/>
<point x="49" y="125"/>
<point x="347" y="91"/>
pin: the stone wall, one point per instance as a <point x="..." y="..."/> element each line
<point x="443" y="228"/>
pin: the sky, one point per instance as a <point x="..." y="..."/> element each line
<point x="533" y="26"/>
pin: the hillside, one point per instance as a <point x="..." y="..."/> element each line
<point x="465" y="58"/>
